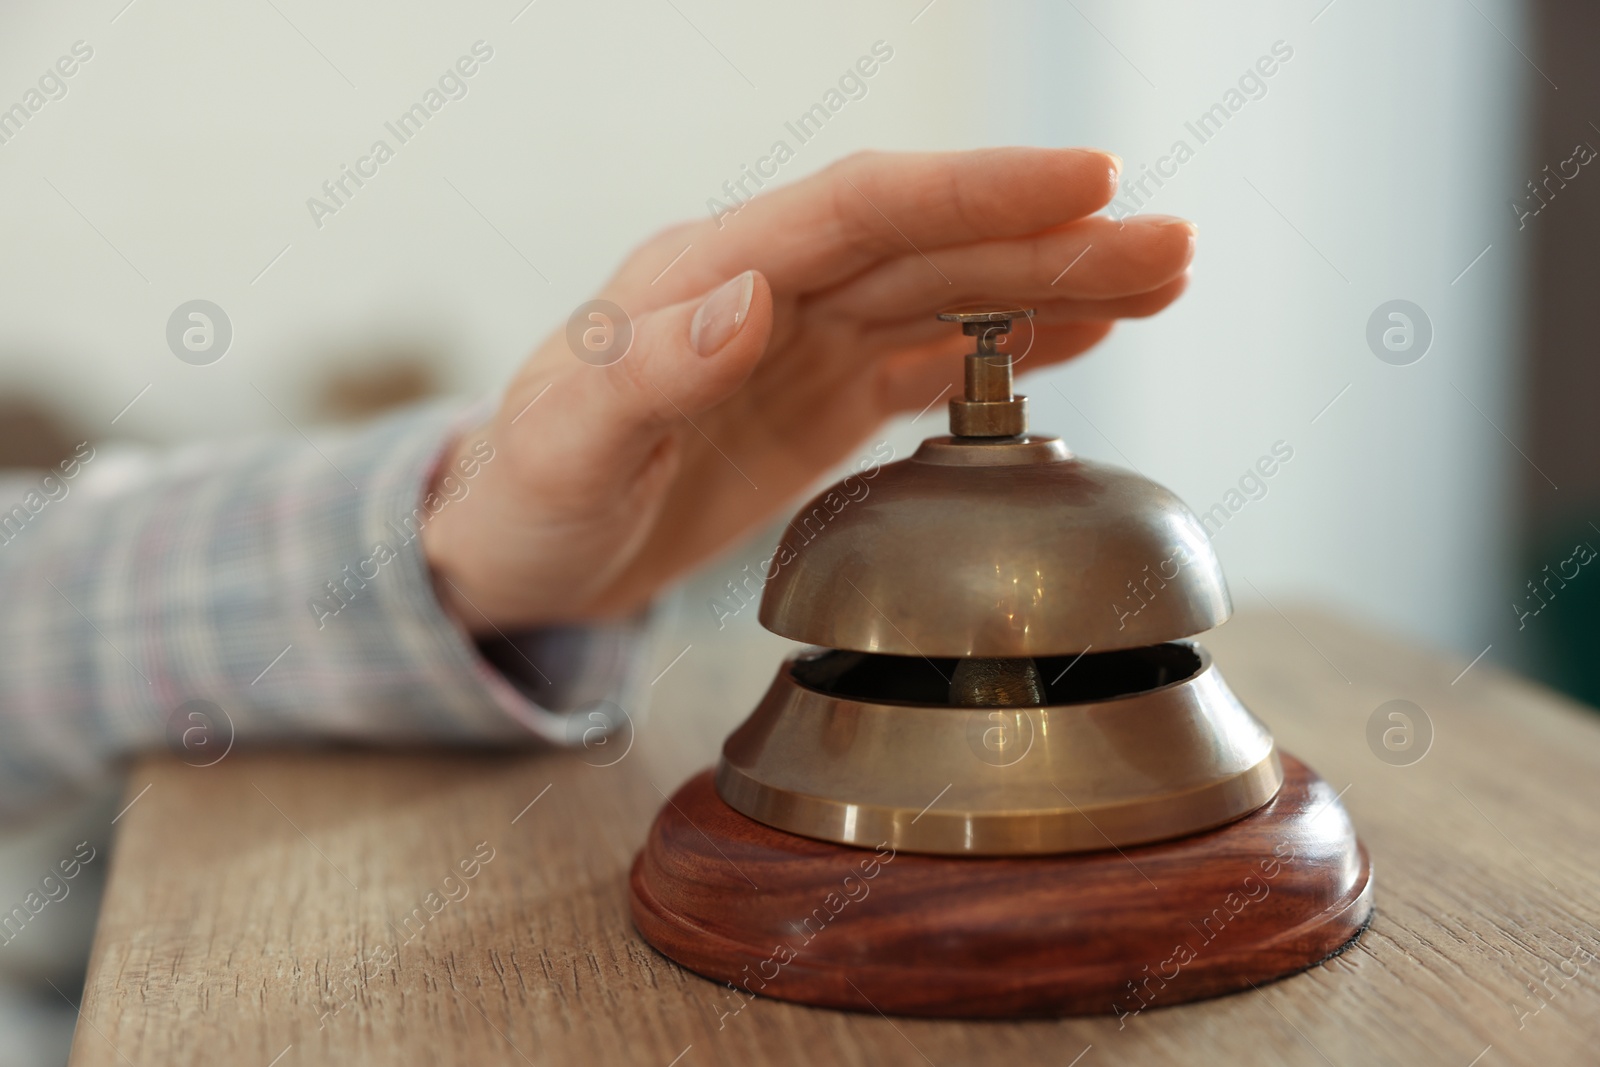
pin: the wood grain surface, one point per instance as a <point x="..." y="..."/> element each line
<point x="1114" y="932"/>
<point x="275" y="909"/>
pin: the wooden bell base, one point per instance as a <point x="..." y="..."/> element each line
<point x="1088" y="933"/>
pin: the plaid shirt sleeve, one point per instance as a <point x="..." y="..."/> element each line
<point x="280" y="582"/>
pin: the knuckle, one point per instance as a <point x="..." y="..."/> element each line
<point x="672" y="232"/>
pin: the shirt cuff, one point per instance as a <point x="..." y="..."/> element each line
<point x="574" y="684"/>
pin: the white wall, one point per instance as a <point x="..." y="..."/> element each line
<point x="196" y="134"/>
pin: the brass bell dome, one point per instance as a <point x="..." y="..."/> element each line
<point x="995" y="547"/>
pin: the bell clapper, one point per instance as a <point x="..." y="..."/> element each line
<point x="996" y="683"/>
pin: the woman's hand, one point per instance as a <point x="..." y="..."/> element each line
<point x="777" y="343"/>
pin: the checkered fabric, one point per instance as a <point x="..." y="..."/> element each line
<point x="251" y="576"/>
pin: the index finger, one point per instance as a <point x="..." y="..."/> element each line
<point x="874" y="205"/>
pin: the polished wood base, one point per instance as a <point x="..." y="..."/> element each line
<point x="1112" y="932"/>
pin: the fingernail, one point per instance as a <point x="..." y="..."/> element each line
<point x="1116" y="162"/>
<point x="1163" y="221"/>
<point x="722" y="315"/>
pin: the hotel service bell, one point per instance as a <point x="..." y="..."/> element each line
<point x="1002" y="694"/>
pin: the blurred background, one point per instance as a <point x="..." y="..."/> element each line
<point x="1394" y="278"/>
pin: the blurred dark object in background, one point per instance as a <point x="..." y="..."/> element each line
<point x="1563" y="624"/>
<point x="1561" y="425"/>
<point x="33" y="434"/>
<point x="369" y="384"/>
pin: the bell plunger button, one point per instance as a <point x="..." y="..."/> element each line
<point x="989" y="408"/>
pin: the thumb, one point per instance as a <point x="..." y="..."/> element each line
<point x="606" y="420"/>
